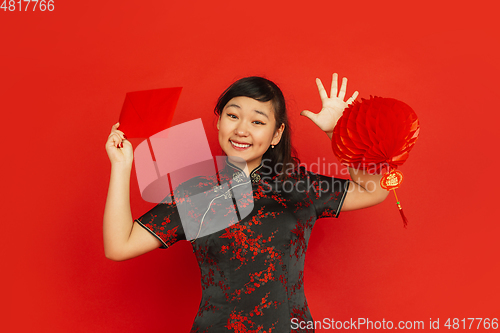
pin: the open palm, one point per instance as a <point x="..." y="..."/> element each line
<point x="333" y="106"/>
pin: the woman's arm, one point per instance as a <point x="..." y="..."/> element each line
<point x="364" y="190"/>
<point x="123" y="239"/>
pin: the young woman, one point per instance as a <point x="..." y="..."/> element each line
<point x="252" y="270"/>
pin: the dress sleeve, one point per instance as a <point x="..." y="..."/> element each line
<point x="163" y="222"/>
<point x="327" y="194"/>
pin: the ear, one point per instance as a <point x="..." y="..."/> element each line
<point x="277" y="134"/>
<point x="218" y="121"/>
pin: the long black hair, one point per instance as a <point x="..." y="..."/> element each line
<point x="283" y="157"/>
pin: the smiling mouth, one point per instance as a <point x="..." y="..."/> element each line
<point x="239" y="145"/>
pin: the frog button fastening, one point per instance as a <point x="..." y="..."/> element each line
<point x="255" y="178"/>
<point x="238" y="176"/>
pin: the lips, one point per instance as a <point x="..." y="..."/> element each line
<point x="239" y="145"/>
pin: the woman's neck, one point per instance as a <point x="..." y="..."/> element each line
<point x="247" y="168"/>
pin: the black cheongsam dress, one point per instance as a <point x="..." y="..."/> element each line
<point x="252" y="270"/>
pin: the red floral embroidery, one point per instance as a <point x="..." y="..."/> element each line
<point x="252" y="272"/>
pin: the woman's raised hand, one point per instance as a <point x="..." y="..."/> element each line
<point x="333" y="106"/>
<point x="119" y="149"/>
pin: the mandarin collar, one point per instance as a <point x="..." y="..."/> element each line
<point x="254" y="175"/>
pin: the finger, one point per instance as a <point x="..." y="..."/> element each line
<point x="343" y="88"/>
<point x="355" y="95"/>
<point x="117" y="137"/>
<point x="308" y="114"/>
<point x="111" y="142"/>
<point x="114" y="128"/>
<point x="352" y="98"/>
<point x="333" y="90"/>
<point x="115" y="140"/>
<point x="118" y="132"/>
<point x="121" y="139"/>
<point x="322" y="92"/>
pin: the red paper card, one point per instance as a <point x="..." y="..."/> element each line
<point x="145" y="113"/>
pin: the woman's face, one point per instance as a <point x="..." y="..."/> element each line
<point x="246" y="130"/>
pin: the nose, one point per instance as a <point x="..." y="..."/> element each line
<point x="241" y="129"/>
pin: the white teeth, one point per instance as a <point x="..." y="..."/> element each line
<point x="240" y="145"/>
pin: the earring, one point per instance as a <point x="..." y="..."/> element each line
<point x="272" y="146"/>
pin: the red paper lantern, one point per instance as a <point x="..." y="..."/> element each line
<point x="374" y="135"/>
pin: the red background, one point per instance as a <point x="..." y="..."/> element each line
<point x="64" y="75"/>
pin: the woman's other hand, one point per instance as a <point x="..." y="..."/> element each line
<point x="119" y="149"/>
<point x="333" y="106"/>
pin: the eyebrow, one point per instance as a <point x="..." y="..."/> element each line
<point x="258" y="111"/>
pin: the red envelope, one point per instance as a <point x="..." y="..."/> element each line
<point x="145" y="113"/>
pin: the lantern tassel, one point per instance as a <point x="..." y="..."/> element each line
<point x="405" y="220"/>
